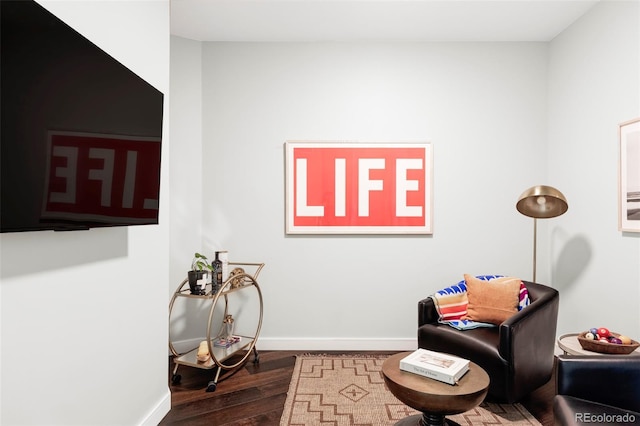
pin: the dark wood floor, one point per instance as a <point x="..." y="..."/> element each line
<point x="255" y="394"/>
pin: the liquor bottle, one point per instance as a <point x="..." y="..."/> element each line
<point x="217" y="273"/>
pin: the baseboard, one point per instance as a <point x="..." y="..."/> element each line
<point x="319" y="344"/>
<point x="159" y="411"/>
<point x="337" y="344"/>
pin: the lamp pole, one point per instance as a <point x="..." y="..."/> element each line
<point x="535" y="246"/>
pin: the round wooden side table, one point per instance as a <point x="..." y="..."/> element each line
<point x="433" y="398"/>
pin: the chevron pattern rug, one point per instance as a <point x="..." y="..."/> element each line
<point x="343" y="390"/>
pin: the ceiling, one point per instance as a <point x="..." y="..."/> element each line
<point x="374" y="20"/>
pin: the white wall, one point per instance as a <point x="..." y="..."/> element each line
<point x="186" y="156"/>
<point x="84" y="314"/>
<point x="187" y="186"/>
<point x="594" y="85"/>
<point x="484" y="108"/>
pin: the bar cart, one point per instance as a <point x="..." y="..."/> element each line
<point x="228" y="350"/>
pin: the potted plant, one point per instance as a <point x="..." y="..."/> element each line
<point x="200" y="274"/>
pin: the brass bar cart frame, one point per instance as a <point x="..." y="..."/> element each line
<point x="220" y="356"/>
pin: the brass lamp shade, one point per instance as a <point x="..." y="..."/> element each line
<point x="542" y="202"/>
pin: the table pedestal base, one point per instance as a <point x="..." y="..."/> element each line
<point x="426" y="419"/>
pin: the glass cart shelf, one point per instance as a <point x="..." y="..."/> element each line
<point x="222" y="358"/>
<point x="219" y="353"/>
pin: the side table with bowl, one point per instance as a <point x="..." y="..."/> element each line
<point x="577" y="344"/>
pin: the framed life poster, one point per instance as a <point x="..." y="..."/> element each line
<point x="359" y="188"/>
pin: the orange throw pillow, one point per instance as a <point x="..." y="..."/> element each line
<point x="491" y="301"/>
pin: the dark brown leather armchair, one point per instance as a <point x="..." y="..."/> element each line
<point x="597" y="389"/>
<point x="518" y="354"/>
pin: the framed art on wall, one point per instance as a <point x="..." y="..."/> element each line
<point x="629" y="177"/>
<point x="358" y="188"/>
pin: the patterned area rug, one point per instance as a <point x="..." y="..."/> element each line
<point x="349" y="390"/>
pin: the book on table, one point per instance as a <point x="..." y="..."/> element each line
<point x="435" y="365"/>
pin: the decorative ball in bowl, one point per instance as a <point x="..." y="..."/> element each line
<point x="606" y="347"/>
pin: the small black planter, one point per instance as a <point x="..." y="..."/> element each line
<point x="194" y="277"/>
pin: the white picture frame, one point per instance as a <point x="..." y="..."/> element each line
<point x="629" y="176"/>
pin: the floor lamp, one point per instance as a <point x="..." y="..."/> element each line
<point x="541" y="202"/>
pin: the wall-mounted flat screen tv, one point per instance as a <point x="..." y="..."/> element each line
<point x="81" y="134"/>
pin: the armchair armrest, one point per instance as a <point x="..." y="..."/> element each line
<point x="427" y="313"/>
<point x="608" y="379"/>
<point x="528" y="337"/>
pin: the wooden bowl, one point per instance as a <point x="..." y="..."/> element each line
<point x="605" y="347"/>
